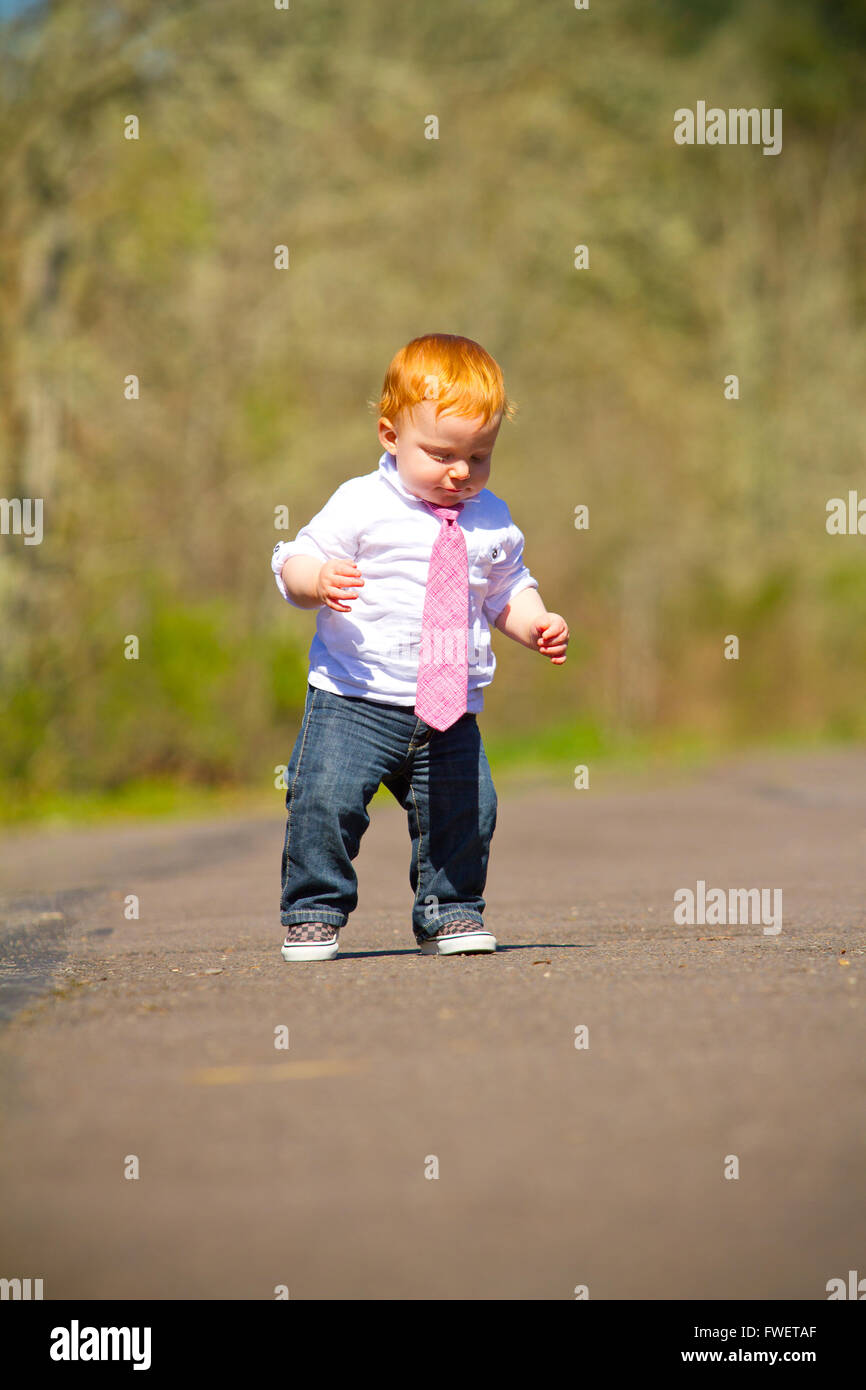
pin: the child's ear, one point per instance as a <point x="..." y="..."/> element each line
<point x="387" y="434"/>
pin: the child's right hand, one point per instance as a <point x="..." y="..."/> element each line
<point x="336" y="579"/>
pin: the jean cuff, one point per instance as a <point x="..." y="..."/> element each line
<point x="329" y="915"/>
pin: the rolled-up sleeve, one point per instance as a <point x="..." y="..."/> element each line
<point x="508" y="577"/>
<point x="333" y="532"/>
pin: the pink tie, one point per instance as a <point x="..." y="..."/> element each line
<point x="443" y="667"/>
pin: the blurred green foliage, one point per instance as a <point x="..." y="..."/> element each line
<point x="306" y="127"/>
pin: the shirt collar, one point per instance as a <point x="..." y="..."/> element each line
<point x="388" y="471"/>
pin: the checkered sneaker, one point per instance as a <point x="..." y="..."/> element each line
<point x="460" y="927"/>
<point x="302" y="933"/>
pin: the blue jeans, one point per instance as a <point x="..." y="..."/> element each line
<point x="346" y="748"/>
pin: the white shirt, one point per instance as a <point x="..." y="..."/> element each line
<point x="374" y="520"/>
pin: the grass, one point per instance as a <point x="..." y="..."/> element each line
<point x="546" y="758"/>
<point x="140" y="799"/>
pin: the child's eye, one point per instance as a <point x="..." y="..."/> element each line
<point x="443" y="458"/>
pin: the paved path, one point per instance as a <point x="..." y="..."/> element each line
<point x="558" y="1166"/>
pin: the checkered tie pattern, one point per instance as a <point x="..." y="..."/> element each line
<point x="443" y="666"/>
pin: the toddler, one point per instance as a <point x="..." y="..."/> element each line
<point x="408" y="567"/>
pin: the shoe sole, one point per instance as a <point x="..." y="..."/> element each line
<point x="316" y="950"/>
<point x="467" y="944"/>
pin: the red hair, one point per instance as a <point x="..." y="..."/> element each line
<point x="454" y="372"/>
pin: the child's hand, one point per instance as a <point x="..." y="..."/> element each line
<point x="336" y="579"/>
<point x="549" y="633"/>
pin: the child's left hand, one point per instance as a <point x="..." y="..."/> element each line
<point x="549" y="634"/>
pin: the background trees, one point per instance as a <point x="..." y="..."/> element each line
<point x="306" y="127"/>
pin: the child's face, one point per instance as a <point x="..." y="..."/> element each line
<point x="440" y="461"/>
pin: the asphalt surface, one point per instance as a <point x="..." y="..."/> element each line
<point x="558" y="1166"/>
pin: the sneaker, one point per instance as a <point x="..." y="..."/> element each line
<point x="461" y="937"/>
<point x="311" y="941"/>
